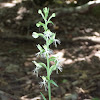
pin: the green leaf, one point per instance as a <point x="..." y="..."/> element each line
<point x="45" y="47"/>
<point x="51" y="81"/>
<point x="39" y="47"/>
<point x="40" y="34"/>
<point x="40" y="24"/>
<point x="52" y="58"/>
<point x="43" y="96"/>
<point x="51" y="22"/>
<point x="42" y="64"/>
<point x="52" y="68"/>
<point x="50" y="41"/>
<point x="37" y="64"/>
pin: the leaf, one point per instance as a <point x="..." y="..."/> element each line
<point x="43" y="96"/>
<point x="40" y="48"/>
<point x="51" y="81"/>
<point x="51" y="22"/>
<point x="52" y="68"/>
<point x="39" y="24"/>
<point x="40" y="34"/>
<point x="37" y="64"/>
<point x="42" y="64"/>
<point x="52" y="58"/>
<point x="50" y="41"/>
<point x="45" y="47"/>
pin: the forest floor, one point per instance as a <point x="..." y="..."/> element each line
<point x="79" y="52"/>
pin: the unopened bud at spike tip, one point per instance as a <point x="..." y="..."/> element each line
<point x="35" y="35"/>
<point x="39" y="11"/>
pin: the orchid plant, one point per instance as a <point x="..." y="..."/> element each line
<point x="45" y="51"/>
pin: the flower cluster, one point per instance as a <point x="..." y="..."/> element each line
<point x="45" y="51"/>
<point x="44" y="83"/>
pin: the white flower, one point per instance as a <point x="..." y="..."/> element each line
<point x="47" y="52"/>
<point x="37" y="54"/>
<point x="48" y="34"/>
<point x="44" y="83"/>
<point x="43" y="55"/>
<point x="38" y="67"/>
<point x="58" y="66"/>
<point x="56" y="41"/>
<point x="36" y="70"/>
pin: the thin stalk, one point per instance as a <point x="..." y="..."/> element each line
<point x="49" y="91"/>
<point x="48" y="64"/>
<point x="46" y="25"/>
<point x="48" y="75"/>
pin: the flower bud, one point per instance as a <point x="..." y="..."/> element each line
<point x="35" y="35"/>
<point x="38" y="24"/>
<point x="39" y="11"/>
<point x="53" y="15"/>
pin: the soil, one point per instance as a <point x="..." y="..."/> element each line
<point x="80" y="79"/>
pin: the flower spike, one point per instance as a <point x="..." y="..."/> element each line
<point x="45" y="52"/>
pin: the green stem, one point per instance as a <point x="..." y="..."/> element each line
<point x="49" y="91"/>
<point x="48" y="75"/>
<point x="48" y="66"/>
<point x="46" y="25"/>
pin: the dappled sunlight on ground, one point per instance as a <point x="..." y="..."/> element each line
<point x="9" y="4"/>
<point x="26" y="98"/>
<point x="60" y="55"/>
<point x="97" y="54"/>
